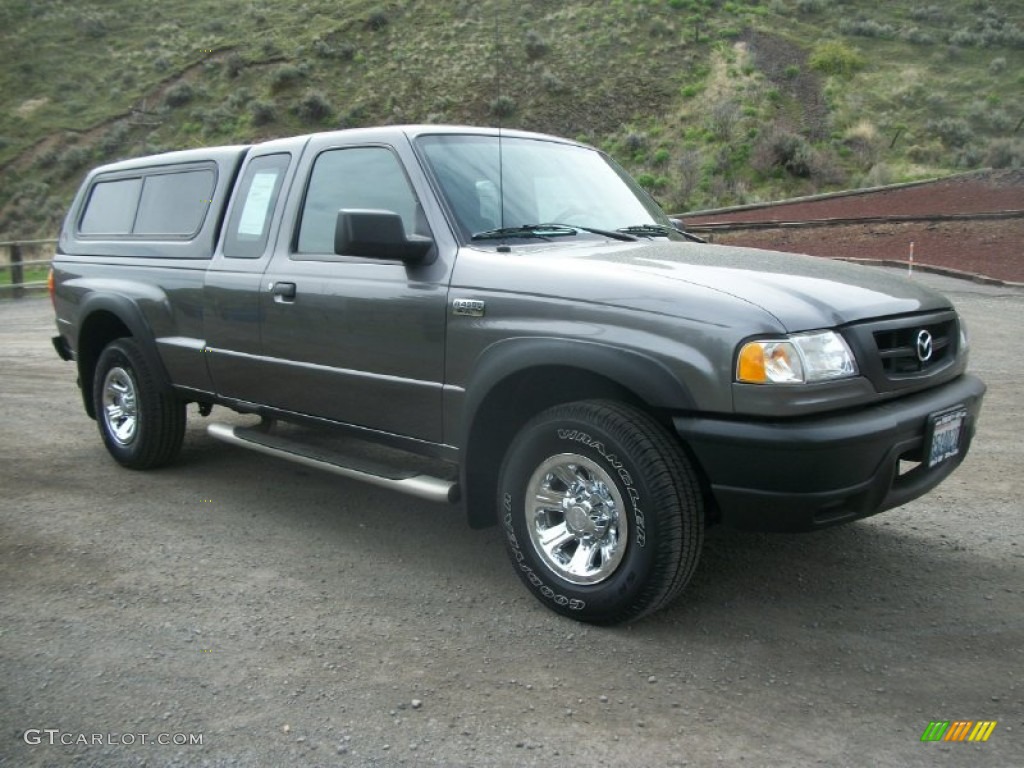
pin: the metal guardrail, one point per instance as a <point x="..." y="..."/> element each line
<point x="16" y="263"/>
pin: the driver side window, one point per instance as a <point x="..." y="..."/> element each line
<point x="358" y="177"/>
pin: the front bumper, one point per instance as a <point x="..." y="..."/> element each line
<point x="808" y="473"/>
<point x="63" y="348"/>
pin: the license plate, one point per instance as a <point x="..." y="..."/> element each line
<point x="945" y="429"/>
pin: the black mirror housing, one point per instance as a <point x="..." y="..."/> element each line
<point x="378" y="235"/>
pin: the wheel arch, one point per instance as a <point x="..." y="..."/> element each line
<point x="104" y="319"/>
<point x="519" y="378"/>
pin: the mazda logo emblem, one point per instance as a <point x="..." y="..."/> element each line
<point x="924" y="346"/>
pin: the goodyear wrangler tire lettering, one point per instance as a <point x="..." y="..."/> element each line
<point x="525" y="571"/>
<point x="602" y="511"/>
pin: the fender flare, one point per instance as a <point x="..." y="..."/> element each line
<point x="647" y="379"/>
<point x="127" y="311"/>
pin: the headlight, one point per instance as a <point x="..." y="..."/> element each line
<point x="964" y="340"/>
<point x="798" y="359"/>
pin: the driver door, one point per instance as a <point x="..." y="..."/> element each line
<point x="354" y="340"/>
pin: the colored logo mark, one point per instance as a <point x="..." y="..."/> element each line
<point x="958" y="730"/>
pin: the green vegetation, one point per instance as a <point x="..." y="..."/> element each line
<point x="29" y="275"/>
<point x="835" y="58"/>
<point x="707" y="102"/>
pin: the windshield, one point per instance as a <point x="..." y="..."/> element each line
<point x="544" y="182"/>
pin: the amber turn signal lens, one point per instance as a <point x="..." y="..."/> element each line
<point x="750" y="368"/>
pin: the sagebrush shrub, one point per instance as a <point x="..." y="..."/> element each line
<point x="1005" y="153"/>
<point x="285" y="76"/>
<point x="953" y="131"/>
<point x="262" y="112"/>
<point x="179" y="94"/>
<point x="833" y="57"/>
<point x="314" y="107"/>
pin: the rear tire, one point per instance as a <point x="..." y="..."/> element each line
<point x="602" y="511"/>
<point x="141" y="423"/>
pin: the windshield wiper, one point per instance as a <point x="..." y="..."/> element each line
<point x="614" y="235"/>
<point x="653" y="230"/>
<point x="547" y="231"/>
<point x="541" y="231"/>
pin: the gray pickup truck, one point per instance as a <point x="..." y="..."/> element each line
<point x="507" y="320"/>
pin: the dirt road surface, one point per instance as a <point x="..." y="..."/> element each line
<point x="289" y="618"/>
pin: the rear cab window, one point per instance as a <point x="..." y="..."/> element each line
<point x="111" y="207"/>
<point x="174" y="204"/>
<point x="158" y="203"/>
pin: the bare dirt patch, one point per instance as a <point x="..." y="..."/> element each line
<point x="982" y="192"/>
<point x="26" y="108"/>
<point x="990" y="247"/>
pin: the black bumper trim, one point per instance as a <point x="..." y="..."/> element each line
<point x="808" y="473"/>
<point x="63" y="348"/>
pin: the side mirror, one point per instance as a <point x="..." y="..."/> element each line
<point x="378" y="235"/>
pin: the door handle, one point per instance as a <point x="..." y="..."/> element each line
<point x="284" y="292"/>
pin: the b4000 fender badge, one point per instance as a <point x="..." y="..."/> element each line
<point x="468" y="307"/>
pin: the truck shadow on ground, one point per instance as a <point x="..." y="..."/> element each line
<point x="869" y="573"/>
<point x="874" y="574"/>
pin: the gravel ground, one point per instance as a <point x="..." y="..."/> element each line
<point x="290" y="618"/>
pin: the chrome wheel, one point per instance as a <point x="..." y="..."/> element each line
<point x="576" y="518"/>
<point x="120" y="406"/>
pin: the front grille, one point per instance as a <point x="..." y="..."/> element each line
<point x="898" y="348"/>
<point x="908" y="352"/>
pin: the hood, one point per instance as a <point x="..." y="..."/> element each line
<point x="801" y="292"/>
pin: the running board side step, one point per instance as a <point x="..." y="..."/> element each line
<point x="412" y="483"/>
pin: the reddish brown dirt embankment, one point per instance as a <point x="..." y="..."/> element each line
<point x="992" y="247"/>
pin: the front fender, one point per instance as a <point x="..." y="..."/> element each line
<point x="515" y="379"/>
<point x="648" y="379"/>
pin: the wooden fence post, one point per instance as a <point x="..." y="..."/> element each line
<point x="17" y="273"/>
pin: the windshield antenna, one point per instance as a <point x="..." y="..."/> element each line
<point x="499" y="109"/>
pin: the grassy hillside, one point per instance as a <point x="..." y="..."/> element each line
<point x="706" y="102"/>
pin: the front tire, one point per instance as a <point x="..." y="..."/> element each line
<point x="141" y="423"/>
<point x="602" y="511"/>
